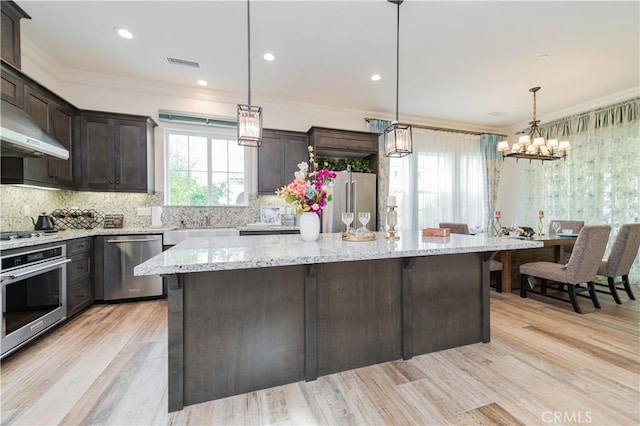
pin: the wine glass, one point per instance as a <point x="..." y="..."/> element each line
<point x="364" y="218"/>
<point x="347" y="218"/>
<point x="556" y="227"/>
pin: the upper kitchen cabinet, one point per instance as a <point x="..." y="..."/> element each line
<point x="339" y="144"/>
<point x="278" y="158"/>
<point x="55" y="116"/>
<point x="115" y="152"/>
<point x="334" y="142"/>
<point x="12" y="86"/>
<point x="10" y="31"/>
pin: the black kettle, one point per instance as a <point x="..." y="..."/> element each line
<point x="44" y="223"/>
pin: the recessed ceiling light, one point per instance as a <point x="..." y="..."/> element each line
<point x="269" y="57"/>
<point x="202" y="83"/>
<point x="375" y="77"/>
<point x="497" y="113"/>
<point x="545" y="56"/>
<point x="124" y="33"/>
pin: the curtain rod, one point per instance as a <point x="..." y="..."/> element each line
<point x="441" y="129"/>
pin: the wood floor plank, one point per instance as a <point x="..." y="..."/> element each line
<point x="108" y="366"/>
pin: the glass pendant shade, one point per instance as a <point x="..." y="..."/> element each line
<point x="399" y="140"/>
<point x="249" y="125"/>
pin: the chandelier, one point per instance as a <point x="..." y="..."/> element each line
<point x="533" y="146"/>
<point x="249" y="116"/>
<point x="399" y="136"/>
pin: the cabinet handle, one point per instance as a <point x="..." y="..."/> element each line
<point x="110" y="182"/>
<point x="117" y="182"/>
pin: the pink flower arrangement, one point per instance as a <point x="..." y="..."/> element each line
<point x="309" y="191"/>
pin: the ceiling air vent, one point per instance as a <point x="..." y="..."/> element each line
<point x="183" y="62"/>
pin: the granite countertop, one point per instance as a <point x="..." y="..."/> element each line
<point x="267" y="227"/>
<point x="71" y="234"/>
<point x="260" y="251"/>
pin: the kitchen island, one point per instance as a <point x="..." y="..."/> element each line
<point x="248" y="313"/>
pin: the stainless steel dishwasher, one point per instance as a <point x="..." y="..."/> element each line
<point x="121" y="254"/>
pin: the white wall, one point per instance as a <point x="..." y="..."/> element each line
<point x="105" y="93"/>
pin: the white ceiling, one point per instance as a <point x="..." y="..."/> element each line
<point x="459" y="61"/>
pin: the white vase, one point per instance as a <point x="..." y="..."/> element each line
<point x="309" y="226"/>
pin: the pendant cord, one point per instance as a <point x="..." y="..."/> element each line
<point x="249" y="53"/>
<point x="397" y="60"/>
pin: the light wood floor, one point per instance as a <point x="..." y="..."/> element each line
<point x="545" y="364"/>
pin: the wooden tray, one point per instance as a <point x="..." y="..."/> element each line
<point x="358" y="238"/>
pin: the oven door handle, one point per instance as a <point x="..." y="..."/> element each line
<point x="34" y="270"/>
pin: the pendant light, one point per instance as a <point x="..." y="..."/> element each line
<point x="532" y="146"/>
<point x="399" y="138"/>
<point x="249" y="116"/>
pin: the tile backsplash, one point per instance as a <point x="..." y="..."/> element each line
<point x="15" y="198"/>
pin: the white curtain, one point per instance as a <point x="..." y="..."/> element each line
<point x="442" y="181"/>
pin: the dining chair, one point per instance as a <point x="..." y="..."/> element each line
<point x="495" y="266"/>
<point x="618" y="264"/>
<point x="455" y="228"/>
<point x="581" y="268"/>
<point x="574" y="225"/>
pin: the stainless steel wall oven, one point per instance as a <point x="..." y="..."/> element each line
<point x="33" y="293"/>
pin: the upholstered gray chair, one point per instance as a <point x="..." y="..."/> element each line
<point x="455" y="228"/>
<point x="581" y="268"/>
<point x="574" y="225"/>
<point x="495" y="266"/>
<point x="623" y="253"/>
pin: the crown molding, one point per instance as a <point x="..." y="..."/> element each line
<point x="590" y="105"/>
<point x="68" y="76"/>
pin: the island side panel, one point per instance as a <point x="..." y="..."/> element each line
<point x="448" y="302"/>
<point x="358" y="314"/>
<point x="243" y="331"/>
<point x="175" y="283"/>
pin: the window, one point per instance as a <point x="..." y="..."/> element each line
<point x="206" y="168"/>
<point x="441" y="182"/>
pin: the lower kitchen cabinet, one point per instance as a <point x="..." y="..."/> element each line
<point x="79" y="278"/>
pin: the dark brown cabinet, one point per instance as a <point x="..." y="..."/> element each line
<point x="278" y="157"/>
<point x="342" y="144"/>
<point x="55" y="116"/>
<point x="343" y="141"/>
<point x="10" y="29"/>
<point x="116" y="152"/>
<point x="12" y="88"/>
<point x="79" y="278"/>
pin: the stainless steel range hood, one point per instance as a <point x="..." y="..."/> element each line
<point x="22" y="137"/>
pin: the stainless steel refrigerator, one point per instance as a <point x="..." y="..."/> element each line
<point x="352" y="192"/>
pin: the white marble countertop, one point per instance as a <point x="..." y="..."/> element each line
<point x="261" y="251"/>
<point x="70" y="234"/>
<point x="265" y="227"/>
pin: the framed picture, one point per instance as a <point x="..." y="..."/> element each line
<point x="270" y="215"/>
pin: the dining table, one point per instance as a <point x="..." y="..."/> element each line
<point x="552" y="251"/>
